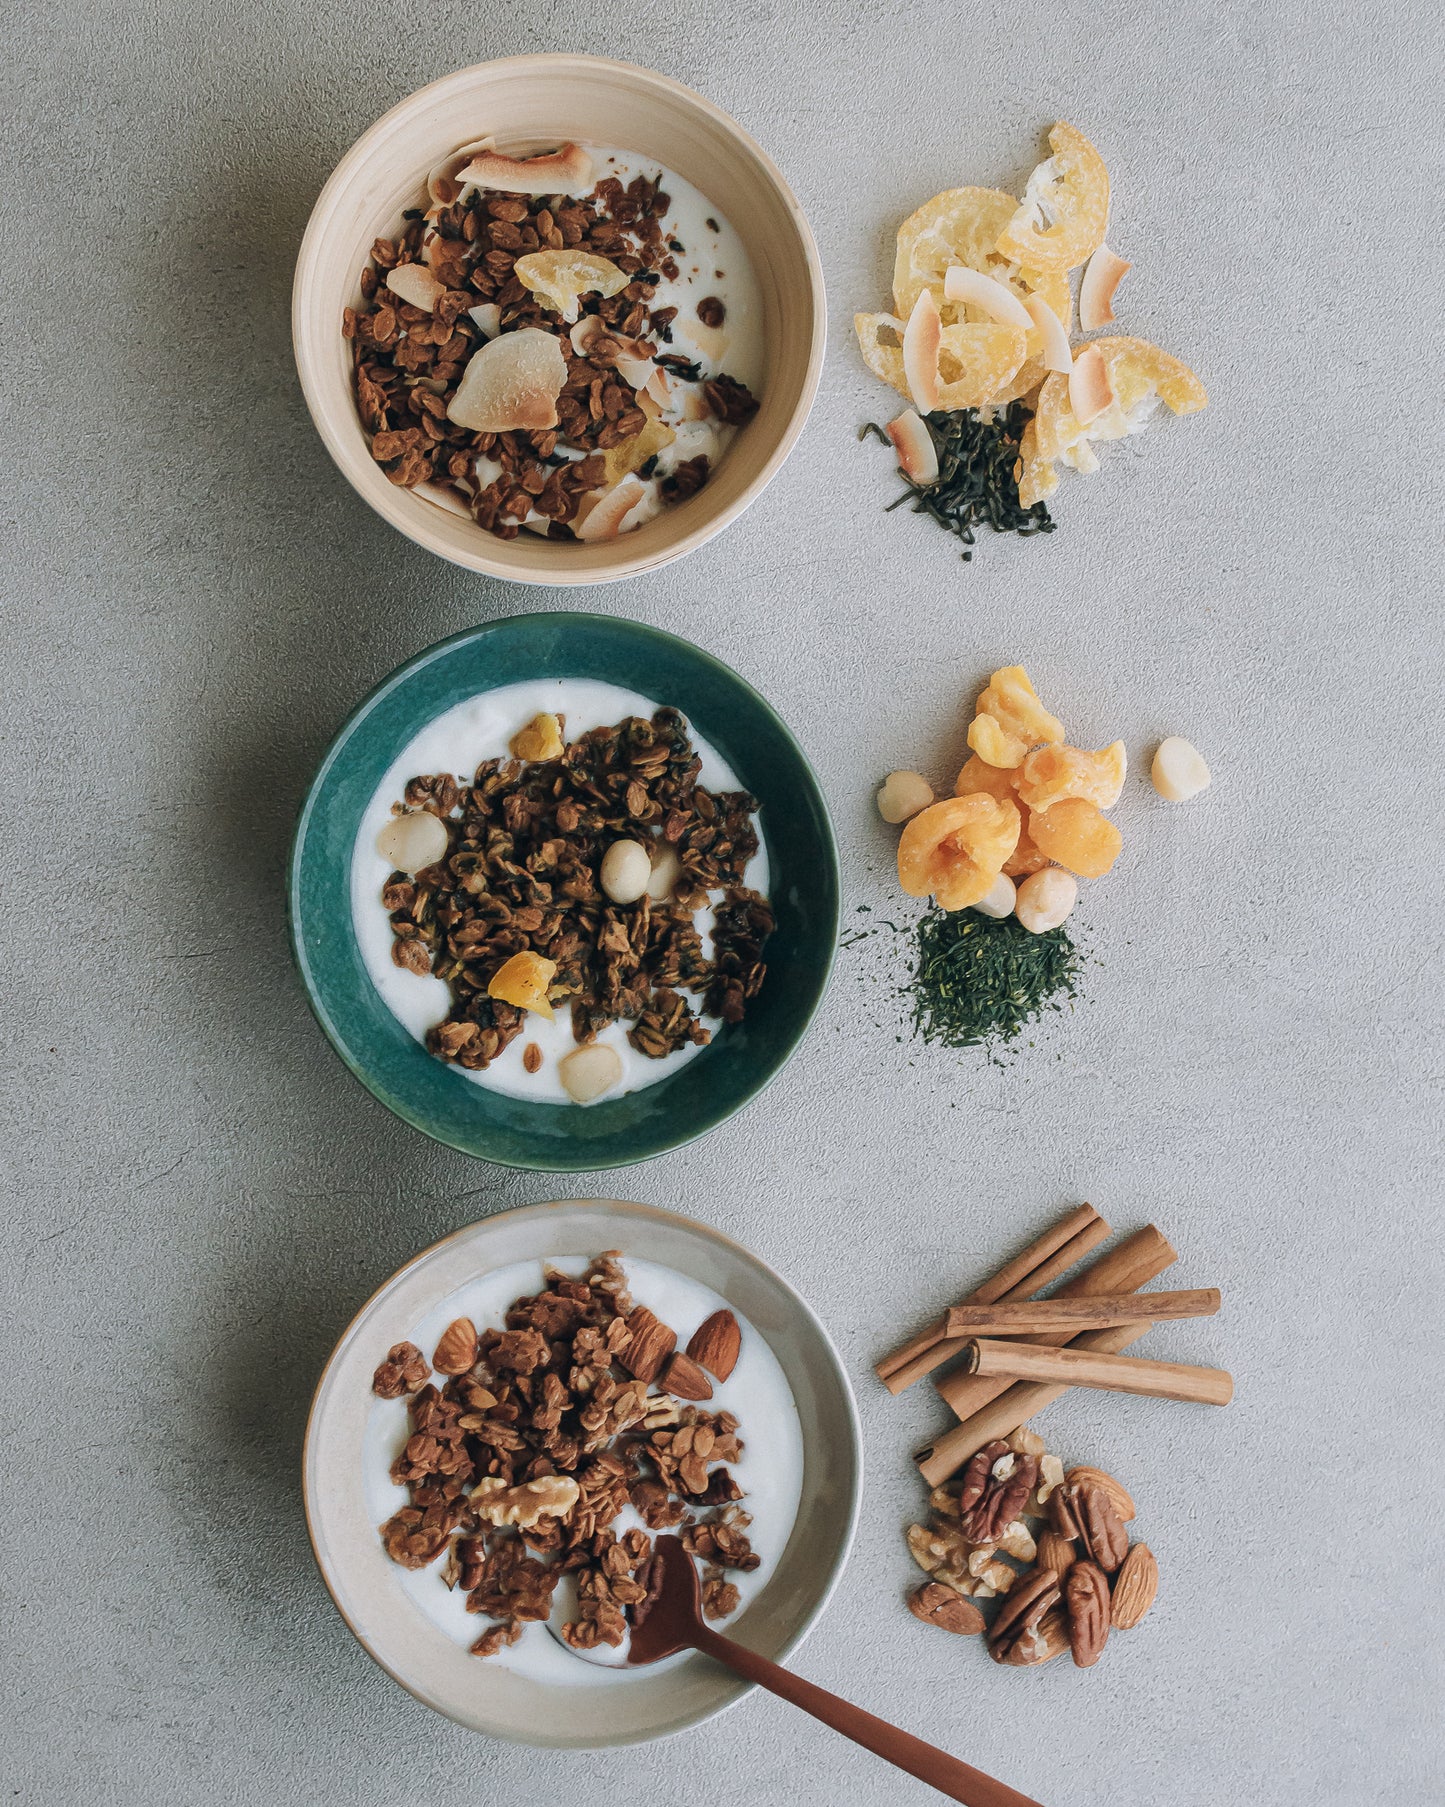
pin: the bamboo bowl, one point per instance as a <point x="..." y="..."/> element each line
<point x="525" y="102"/>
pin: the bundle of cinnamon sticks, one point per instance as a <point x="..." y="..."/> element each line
<point x="1014" y="1353"/>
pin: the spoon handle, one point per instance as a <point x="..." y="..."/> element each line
<point x="959" y="1781"/>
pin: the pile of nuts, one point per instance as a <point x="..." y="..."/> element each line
<point x="1083" y="1576"/>
<point x="543" y="1432"/>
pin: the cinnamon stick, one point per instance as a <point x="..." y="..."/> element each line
<point x="1039" y="1265"/>
<point x="1090" y="1368"/>
<point x="1005" y="1411"/>
<point x="1129" y="1265"/>
<point x="1036" y="1317"/>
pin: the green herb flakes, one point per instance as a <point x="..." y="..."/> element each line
<point x="982" y="979"/>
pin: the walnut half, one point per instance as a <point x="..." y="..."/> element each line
<point x="549" y="1496"/>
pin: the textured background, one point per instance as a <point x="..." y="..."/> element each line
<point x="198" y="1197"/>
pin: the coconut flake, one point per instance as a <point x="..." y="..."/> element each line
<point x="1057" y="355"/>
<point x="488" y="317"/>
<point x="1096" y="293"/>
<point x="583" y="332"/>
<point x="567" y="171"/>
<point x="960" y="283"/>
<point x="636" y="371"/>
<point x="1090" y="390"/>
<point x="416" y="284"/>
<point x="441" y="497"/>
<point x="922" y="339"/>
<point x="441" y="182"/>
<point x="659" y="387"/>
<point x="511" y="383"/>
<point x="603" y="520"/>
<point x="912" y="441"/>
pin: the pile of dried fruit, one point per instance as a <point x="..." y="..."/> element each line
<point x="981" y="332"/>
<point x="572" y="874"/>
<point x="542" y="1433"/>
<point x="510" y="363"/>
<point x="1077" y="1580"/>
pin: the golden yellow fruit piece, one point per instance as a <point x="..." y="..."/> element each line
<point x="540" y="739"/>
<point x="523" y="981"/>
<point x="631" y="454"/>
<point x="559" y="278"/>
<point x="979" y="775"/>
<point x="1036" y="477"/>
<point x="1065" y="210"/>
<point x="974" y="362"/>
<point x="1051" y="775"/>
<point x="1141" y="376"/>
<point x="1010" y="719"/>
<point x="954" y="850"/>
<point x="1025" y="858"/>
<point x="962" y="226"/>
<point x="1078" y="836"/>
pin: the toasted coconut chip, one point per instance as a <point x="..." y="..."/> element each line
<point x="694" y="406"/>
<point x="1096" y="292"/>
<point x="603" y="519"/>
<point x="917" y="454"/>
<point x="559" y="278"/>
<point x="442" y="497"/>
<point x="632" y="454"/>
<point x="488" y="317"/>
<point x="1090" y="390"/>
<point x="441" y="183"/>
<point x="659" y="387"/>
<point x="922" y="341"/>
<point x="416" y="284"/>
<point x="999" y="302"/>
<point x="1057" y="355"/>
<point x="637" y="371"/>
<point x="511" y="383"/>
<point x="583" y="332"/>
<point x="567" y="171"/>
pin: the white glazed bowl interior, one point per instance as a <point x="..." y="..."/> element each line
<point x="527" y="102"/>
<point x="482" y="1694"/>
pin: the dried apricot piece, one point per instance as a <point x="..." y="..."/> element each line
<point x="540" y="739"/>
<point x="1065" y="210"/>
<point x="1078" y="836"/>
<point x="1053" y="774"/>
<point x="979" y="775"/>
<point x="1011" y="720"/>
<point x="559" y="278"/>
<point x="1025" y="858"/>
<point x="523" y="981"/>
<point x="954" y="850"/>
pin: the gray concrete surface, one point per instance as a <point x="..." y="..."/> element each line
<point x="196" y="1195"/>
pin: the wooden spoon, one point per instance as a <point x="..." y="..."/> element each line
<point x="671" y="1620"/>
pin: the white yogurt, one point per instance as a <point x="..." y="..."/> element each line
<point x="770" y="1471"/>
<point x="457" y="742"/>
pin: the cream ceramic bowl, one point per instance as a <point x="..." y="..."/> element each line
<point x="527" y="102"/>
<point x="484" y="1695"/>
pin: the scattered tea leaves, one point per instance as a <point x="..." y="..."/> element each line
<point x="982" y="979"/>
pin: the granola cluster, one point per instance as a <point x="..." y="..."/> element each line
<point x="409" y="359"/>
<point x="521" y="873"/>
<point x="519" y="1467"/>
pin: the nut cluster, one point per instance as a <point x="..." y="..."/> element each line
<point x="542" y="1433"/>
<point x="1083" y="1576"/>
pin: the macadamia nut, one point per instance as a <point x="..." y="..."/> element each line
<point x="586" y="1073"/>
<point x="1046" y="899"/>
<point x="1179" y="771"/>
<point x="903" y="794"/>
<point x="626" y="871"/>
<point x="666" y="870"/>
<point x="1001" y="897"/>
<point x="413" y="840"/>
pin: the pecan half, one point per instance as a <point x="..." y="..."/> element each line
<point x="1019" y="1616"/>
<point x="1086" y="1594"/>
<point x="1086" y="1511"/>
<point x="1116" y="1490"/>
<point x="993" y="1497"/>
<point x="936" y="1604"/>
<point x="1135" y="1587"/>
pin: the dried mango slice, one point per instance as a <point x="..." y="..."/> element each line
<point x="979" y="775"/>
<point x="540" y="739"/>
<point x="559" y="278"/>
<point x="1011" y="720"/>
<point x="954" y="850"/>
<point x="1141" y="376"/>
<point x="1065" y="209"/>
<point x="1052" y="774"/>
<point x="523" y="981"/>
<point x="1077" y="836"/>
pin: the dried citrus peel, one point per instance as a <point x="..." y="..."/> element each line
<point x="1065" y="210"/>
<point x="559" y="278"/>
<point x="1141" y="376"/>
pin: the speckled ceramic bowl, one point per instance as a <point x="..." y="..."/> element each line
<point x="486" y="1696"/>
<point x="804" y="891"/>
<point x="528" y="102"/>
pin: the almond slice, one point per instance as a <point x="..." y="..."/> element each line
<point x="511" y="383"/>
<point x="416" y="284"/>
<point x="567" y="171"/>
<point x="603" y="520"/>
<point x="1096" y="293"/>
<point x="488" y="317"/>
<point x="999" y="302"/>
<point x="922" y="341"/>
<point x="1057" y="355"/>
<point x="912" y="441"/>
<point x="1090" y="390"/>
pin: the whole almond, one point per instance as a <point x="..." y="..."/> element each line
<point x="456" y="1349"/>
<point x="1056" y="1552"/>
<point x="937" y="1604"/>
<point x="682" y="1377"/>
<point x="716" y="1343"/>
<point x="652" y="1342"/>
<point x="1135" y="1587"/>
<point x="1116" y="1490"/>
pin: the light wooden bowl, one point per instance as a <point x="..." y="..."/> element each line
<point x="538" y="100"/>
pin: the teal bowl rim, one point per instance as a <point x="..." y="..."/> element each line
<point x="701" y="1124"/>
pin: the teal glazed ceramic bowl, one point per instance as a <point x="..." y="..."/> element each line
<point x="803" y="889"/>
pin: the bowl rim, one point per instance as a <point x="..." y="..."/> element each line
<point x="390" y="505"/>
<point x="643" y="1214"/>
<point x="594" y="1162"/>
